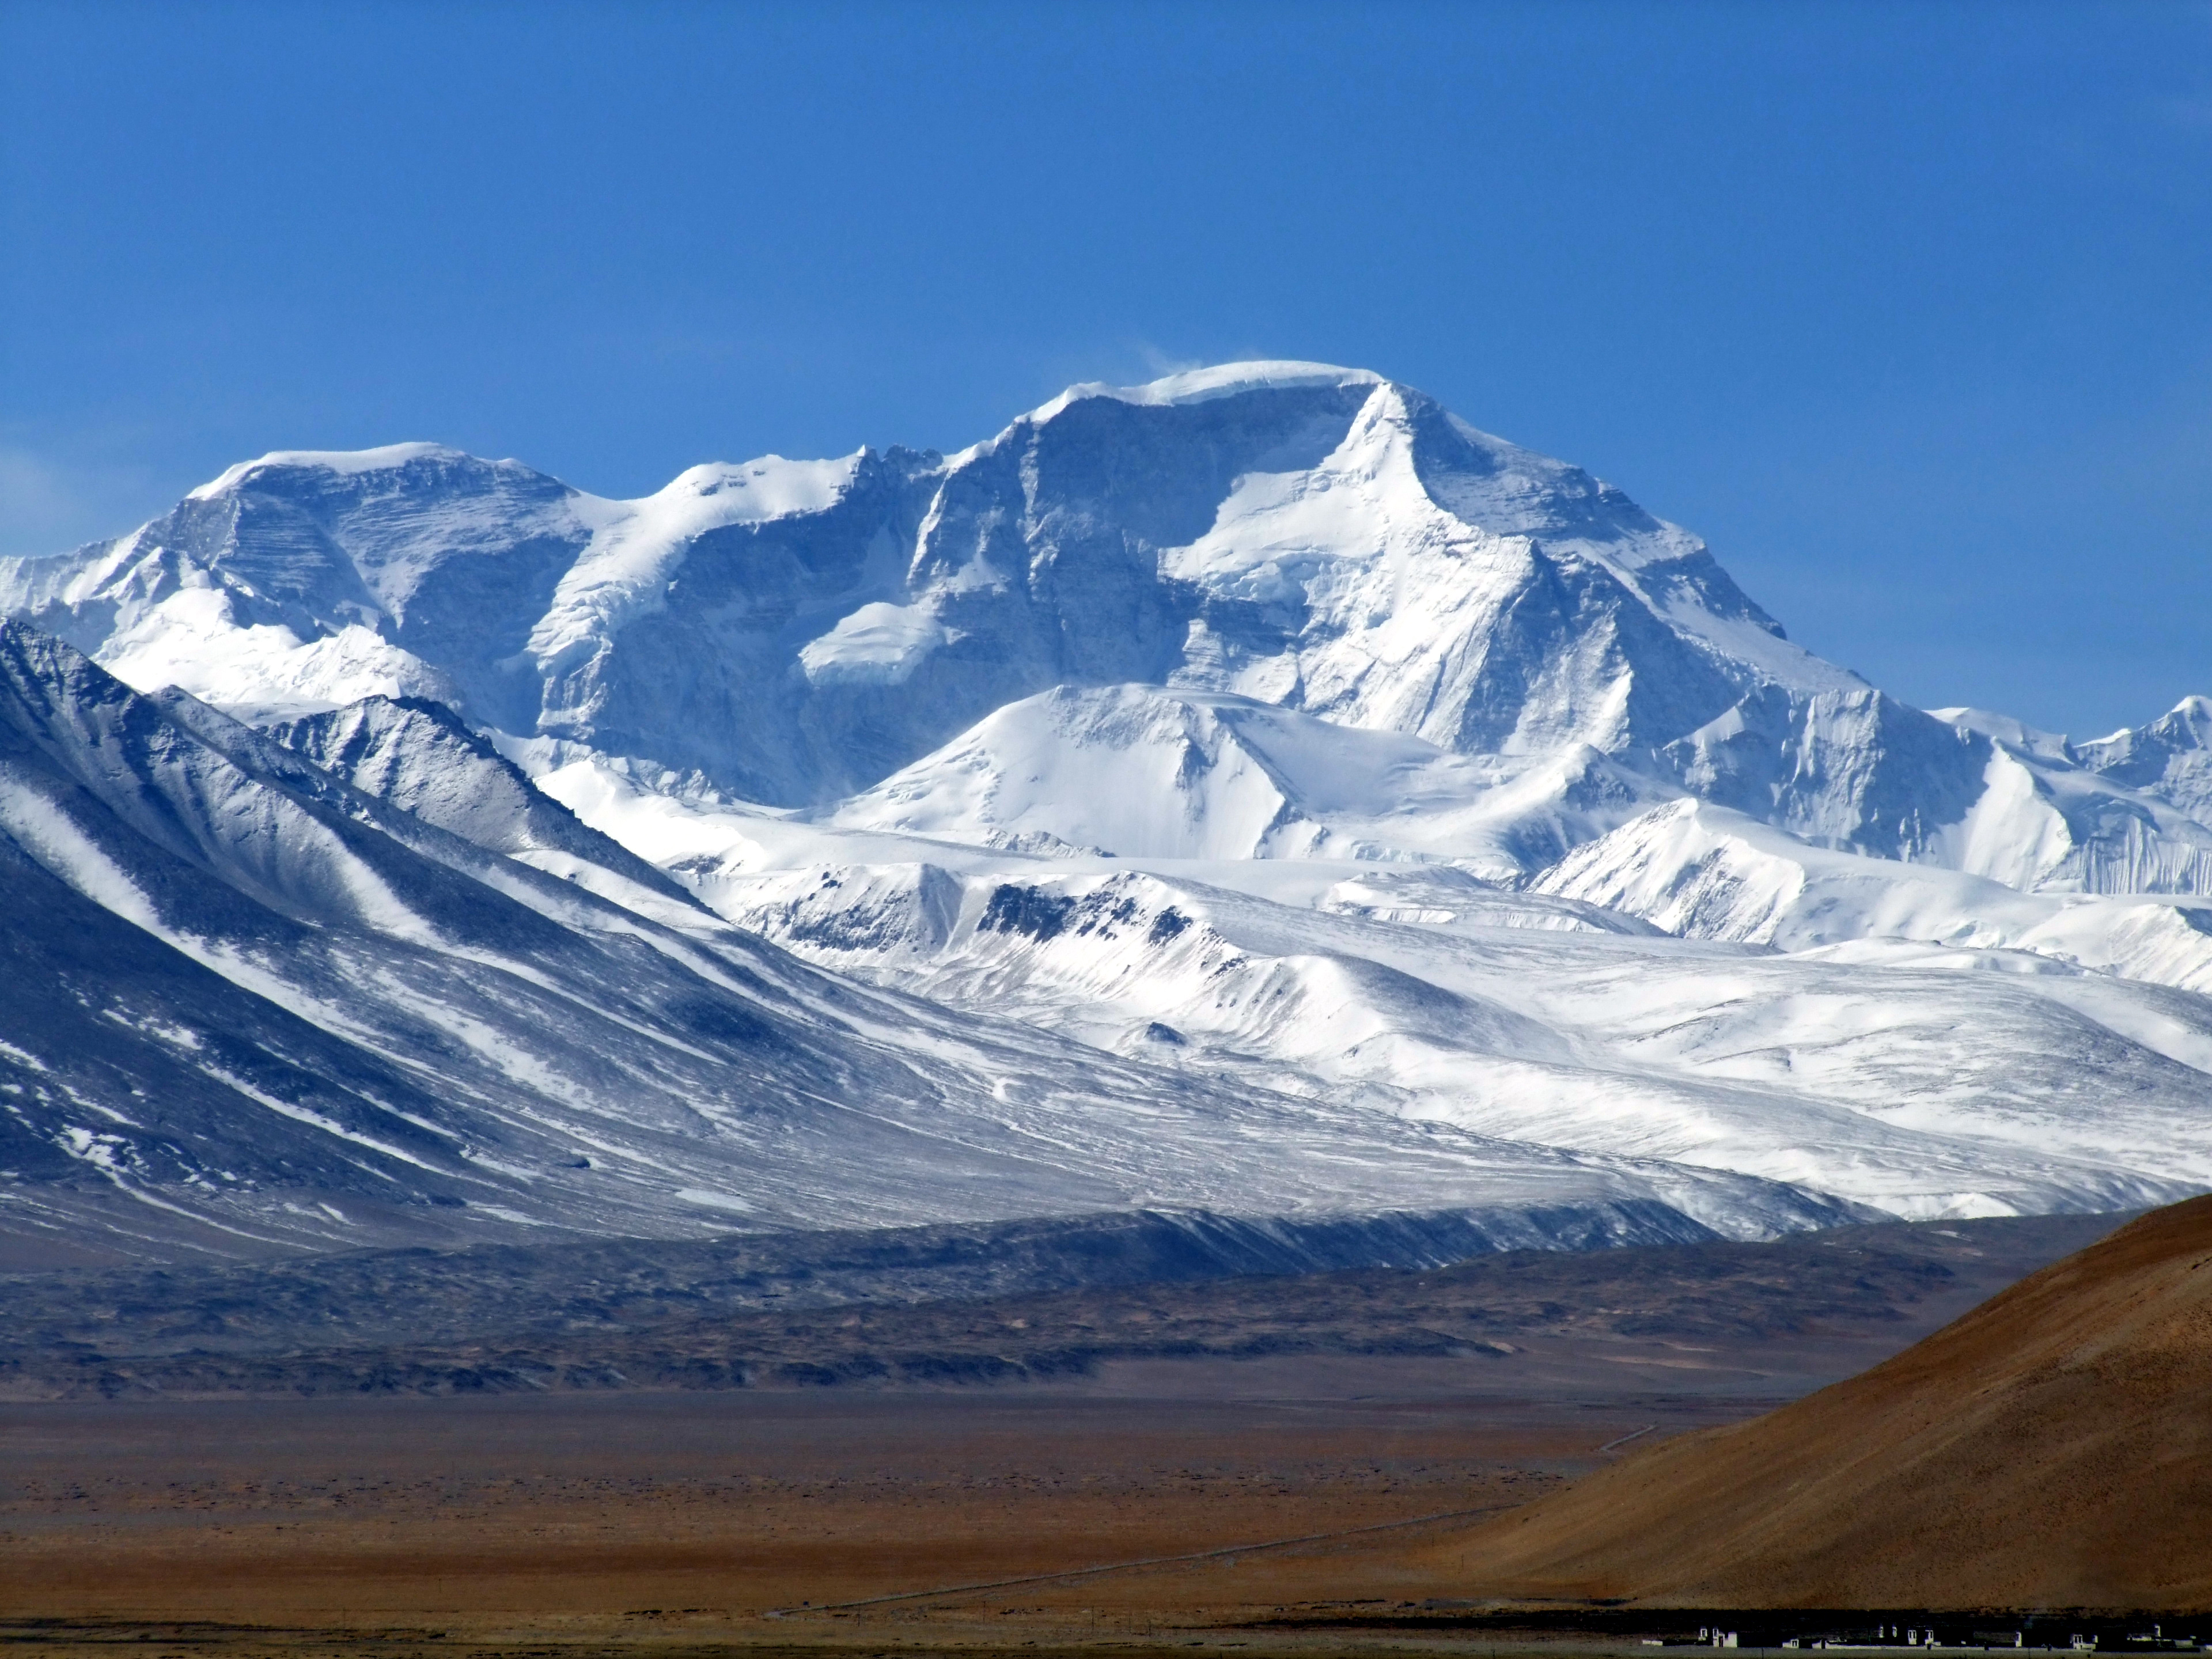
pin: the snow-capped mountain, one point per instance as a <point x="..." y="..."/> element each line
<point x="2169" y="760"/>
<point x="1265" y="734"/>
<point x="1317" y="539"/>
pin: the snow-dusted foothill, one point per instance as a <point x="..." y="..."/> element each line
<point x="1702" y="871"/>
<point x="255" y="1006"/>
<point x="421" y="757"/>
<point x="1148" y="771"/>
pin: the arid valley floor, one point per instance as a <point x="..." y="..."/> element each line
<point x="1166" y="1490"/>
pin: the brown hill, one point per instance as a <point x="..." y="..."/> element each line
<point x="2053" y="1447"/>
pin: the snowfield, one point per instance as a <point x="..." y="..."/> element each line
<point x="1259" y="791"/>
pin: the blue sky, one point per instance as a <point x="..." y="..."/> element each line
<point x="1907" y="309"/>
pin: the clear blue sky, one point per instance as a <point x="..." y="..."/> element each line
<point x="1907" y="309"/>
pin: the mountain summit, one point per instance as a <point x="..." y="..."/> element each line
<point x="1313" y="538"/>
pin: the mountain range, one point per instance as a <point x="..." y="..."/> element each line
<point x="1258" y="794"/>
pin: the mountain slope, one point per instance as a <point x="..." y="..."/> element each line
<point x="1922" y="1079"/>
<point x="2051" y="1448"/>
<point x="422" y="758"/>
<point x="266" y="1009"/>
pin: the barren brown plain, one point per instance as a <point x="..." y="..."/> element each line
<point x="1253" y="1502"/>
<point x="738" y="1504"/>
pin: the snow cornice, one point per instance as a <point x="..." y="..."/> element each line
<point x="1198" y="385"/>
<point x="345" y="463"/>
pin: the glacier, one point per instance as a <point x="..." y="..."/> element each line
<point x="1259" y="792"/>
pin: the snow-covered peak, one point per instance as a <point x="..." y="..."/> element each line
<point x="637" y="546"/>
<point x="341" y="463"/>
<point x="2187" y="725"/>
<point x="2170" y="759"/>
<point x="2189" y="719"/>
<point x="743" y="492"/>
<point x="1299" y="534"/>
<point x="2016" y="734"/>
<point x="1221" y="380"/>
<point x="1181" y="391"/>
